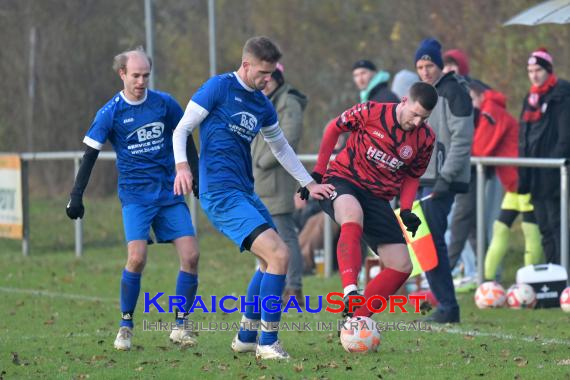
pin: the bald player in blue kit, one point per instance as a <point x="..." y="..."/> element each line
<point x="139" y="124"/>
<point x="230" y="110"/>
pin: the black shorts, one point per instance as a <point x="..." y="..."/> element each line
<point x="380" y="223"/>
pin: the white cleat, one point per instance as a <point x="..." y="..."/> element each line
<point x="123" y="339"/>
<point x="242" y="347"/>
<point x="271" y="351"/>
<point x="183" y="337"/>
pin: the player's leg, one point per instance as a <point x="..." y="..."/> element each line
<point x="269" y="247"/>
<point x="246" y="339"/>
<point x="501" y="235"/>
<point x="136" y="223"/>
<point x="532" y="239"/>
<point x="383" y="232"/>
<point x="174" y="224"/>
<point x="243" y="219"/>
<point x="347" y="211"/>
<point x="397" y="269"/>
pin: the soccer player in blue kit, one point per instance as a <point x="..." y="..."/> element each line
<point x="139" y="124"/>
<point x="231" y="109"/>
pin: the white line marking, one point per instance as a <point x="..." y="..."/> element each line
<point x="458" y="331"/>
<point x="44" y="293"/>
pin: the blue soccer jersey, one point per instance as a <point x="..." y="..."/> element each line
<point x="236" y="114"/>
<point x="141" y="135"/>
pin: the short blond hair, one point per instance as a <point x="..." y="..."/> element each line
<point x="262" y="48"/>
<point x="120" y="60"/>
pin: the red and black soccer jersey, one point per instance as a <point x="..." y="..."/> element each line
<point x="379" y="154"/>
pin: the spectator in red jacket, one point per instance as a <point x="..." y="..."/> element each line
<point x="497" y="135"/>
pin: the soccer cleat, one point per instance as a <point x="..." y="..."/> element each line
<point x="123" y="339"/>
<point x="242" y="347"/>
<point x="183" y="337"/>
<point x="346" y="299"/>
<point x="271" y="351"/>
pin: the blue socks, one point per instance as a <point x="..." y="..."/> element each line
<point x="130" y="289"/>
<point x="186" y="285"/>
<point x="271" y="285"/>
<point x="247" y="335"/>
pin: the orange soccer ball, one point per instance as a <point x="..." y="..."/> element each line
<point x="360" y="334"/>
<point x="490" y="294"/>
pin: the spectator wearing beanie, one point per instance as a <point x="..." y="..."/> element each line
<point x="545" y="133"/>
<point x="373" y="84"/>
<point x="273" y="184"/>
<point x="448" y="172"/>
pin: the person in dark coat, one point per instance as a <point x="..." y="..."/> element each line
<point x="545" y="133"/>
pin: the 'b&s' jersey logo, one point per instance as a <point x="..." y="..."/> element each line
<point x="148" y="138"/>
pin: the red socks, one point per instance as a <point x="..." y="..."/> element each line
<point x="348" y="253"/>
<point x="385" y="284"/>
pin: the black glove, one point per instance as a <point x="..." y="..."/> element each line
<point x="411" y="221"/>
<point x="75" y="209"/>
<point x="318" y="177"/>
<point x="304" y="193"/>
<point x="196" y="187"/>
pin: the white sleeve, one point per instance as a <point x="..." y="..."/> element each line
<point x="274" y="137"/>
<point x="192" y="118"/>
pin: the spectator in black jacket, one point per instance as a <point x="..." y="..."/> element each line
<point x="373" y="84"/>
<point x="545" y="133"/>
<point x="448" y="172"/>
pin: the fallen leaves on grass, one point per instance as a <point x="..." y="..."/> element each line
<point x="521" y="362"/>
<point x="223" y="367"/>
<point x="15" y="358"/>
<point x="563" y="362"/>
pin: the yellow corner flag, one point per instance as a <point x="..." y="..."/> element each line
<point x="422" y="249"/>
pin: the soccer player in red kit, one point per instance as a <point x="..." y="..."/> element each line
<point x="389" y="148"/>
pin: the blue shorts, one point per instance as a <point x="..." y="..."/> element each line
<point x="235" y="213"/>
<point x="168" y="222"/>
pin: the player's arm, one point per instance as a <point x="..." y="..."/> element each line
<point x="193" y="116"/>
<point x="75" y="207"/>
<point x="286" y="156"/>
<point x="411" y="183"/>
<point x="94" y="139"/>
<point x="349" y="121"/>
<point x="192" y="155"/>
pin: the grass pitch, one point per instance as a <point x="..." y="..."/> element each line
<point x="59" y="316"/>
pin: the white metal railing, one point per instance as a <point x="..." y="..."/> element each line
<point x="478" y="162"/>
<point x="76" y="157"/>
<point x="552" y="163"/>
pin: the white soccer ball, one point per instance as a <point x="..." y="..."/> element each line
<point x="521" y="296"/>
<point x="360" y="334"/>
<point x="565" y="300"/>
<point x="490" y="294"/>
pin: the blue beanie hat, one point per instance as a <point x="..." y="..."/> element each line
<point x="430" y="50"/>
